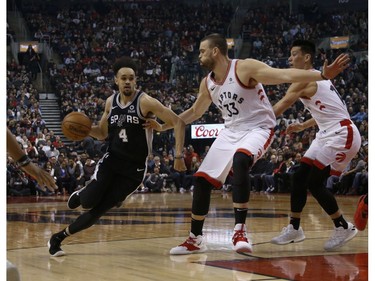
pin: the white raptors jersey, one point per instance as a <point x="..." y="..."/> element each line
<point x="242" y="108"/>
<point x="326" y="106"/>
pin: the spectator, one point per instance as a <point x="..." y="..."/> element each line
<point x="53" y="152"/>
<point x="188" y="156"/>
<point x="154" y="182"/>
<point x="360" y="181"/>
<point x="272" y="181"/>
<point x="189" y="179"/>
<point x="359" y="116"/>
<point x="347" y="177"/>
<point x="31" y="61"/>
<point x="76" y="175"/>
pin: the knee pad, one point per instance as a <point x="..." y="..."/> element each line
<point x="201" y="196"/>
<point x="242" y="161"/>
<point x="298" y="192"/>
<point x="299" y="178"/>
<point x="317" y="178"/>
<point x="241" y="179"/>
<point x="316" y="185"/>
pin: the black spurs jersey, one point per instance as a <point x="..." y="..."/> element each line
<point x="126" y="136"/>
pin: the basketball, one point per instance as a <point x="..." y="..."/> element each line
<point x="76" y="126"/>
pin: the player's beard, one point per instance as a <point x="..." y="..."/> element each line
<point x="128" y="92"/>
<point x="208" y="64"/>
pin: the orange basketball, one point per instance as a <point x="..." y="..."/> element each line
<point x="76" y="126"/>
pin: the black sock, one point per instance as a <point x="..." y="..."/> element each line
<point x="197" y="227"/>
<point x="340" y="221"/>
<point x="61" y="235"/>
<point x="240" y="215"/>
<point x="295" y="222"/>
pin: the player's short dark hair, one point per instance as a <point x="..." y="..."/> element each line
<point x="127" y="62"/>
<point x="307" y="47"/>
<point x="217" y="40"/>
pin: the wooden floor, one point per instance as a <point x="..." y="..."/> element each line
<point x="132" y="242"/>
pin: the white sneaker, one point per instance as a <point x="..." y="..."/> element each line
<point x="340" y="236"/>
<point x="192" y="245"/>
<point x="289" y="235"/>
<point x="241" y="244"/>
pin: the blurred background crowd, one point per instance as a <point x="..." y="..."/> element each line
<point x="84" y="39"/>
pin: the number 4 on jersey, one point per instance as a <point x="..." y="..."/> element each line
<point x="122" y="135"/>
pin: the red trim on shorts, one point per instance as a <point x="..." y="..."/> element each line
<point x="335" y="173"/>
<point x="268" y="142"/>
<point x="349" y="139"/>
<point x="318" y="164"/>
<point x="248" y="153"/>
<point x="312" y="162"/>
<point x="212" y="181"/>
<point x="307" y="161"/>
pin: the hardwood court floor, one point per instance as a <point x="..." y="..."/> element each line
<point x="132" y="242"/>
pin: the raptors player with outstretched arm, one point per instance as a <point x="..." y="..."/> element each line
<point x="123" y="167"/>
<point x="235" y="87"/>
<point x="336" y="143"/>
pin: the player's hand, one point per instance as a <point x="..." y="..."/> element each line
<point x="294" y="127"/>
<point x="153" y="124"/>
<point x="179" y="164"/>
<point x="340" y="64"/>
<point x="43" y="178"/>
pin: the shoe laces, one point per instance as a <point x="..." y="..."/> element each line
<point x="239" y="235"/>
<point x="284" y="230"/>
<point x="339" y="232"/>
<point x="189" y="241"/>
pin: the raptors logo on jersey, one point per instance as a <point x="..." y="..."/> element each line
<point x="340" y="157"/>
<point x="241" y="107"/>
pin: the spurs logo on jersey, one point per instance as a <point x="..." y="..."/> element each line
<point x="240" y="106"/>
<point x="122" y="118"/>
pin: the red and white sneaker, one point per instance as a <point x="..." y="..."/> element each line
<point x="192" y="245"/>
<point x="241" y="243"/>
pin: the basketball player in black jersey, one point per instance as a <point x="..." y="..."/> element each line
<point x="122" y="169"/>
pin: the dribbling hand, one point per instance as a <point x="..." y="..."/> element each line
<point x="152" y="124"/>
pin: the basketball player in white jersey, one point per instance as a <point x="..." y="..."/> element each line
<point x="336" y="143"/>
<point x="235" y="87"/>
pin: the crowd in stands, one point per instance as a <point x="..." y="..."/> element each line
<point x="164" y="38"/>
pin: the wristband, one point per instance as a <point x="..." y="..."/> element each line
<point x="23" y="161"/>
<point x="179" y="157"/>
<point x="321" y="75"/>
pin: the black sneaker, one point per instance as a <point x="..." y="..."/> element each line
<point x="54" y="246"/>
<point x="74" y="201"/>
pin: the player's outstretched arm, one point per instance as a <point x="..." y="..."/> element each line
<point x="263" y="73"/>
<point x="165" y="114"/>
<point x="298" y="127"/>
<point x="43" y="178"/>
<point x="195" y="112"/>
